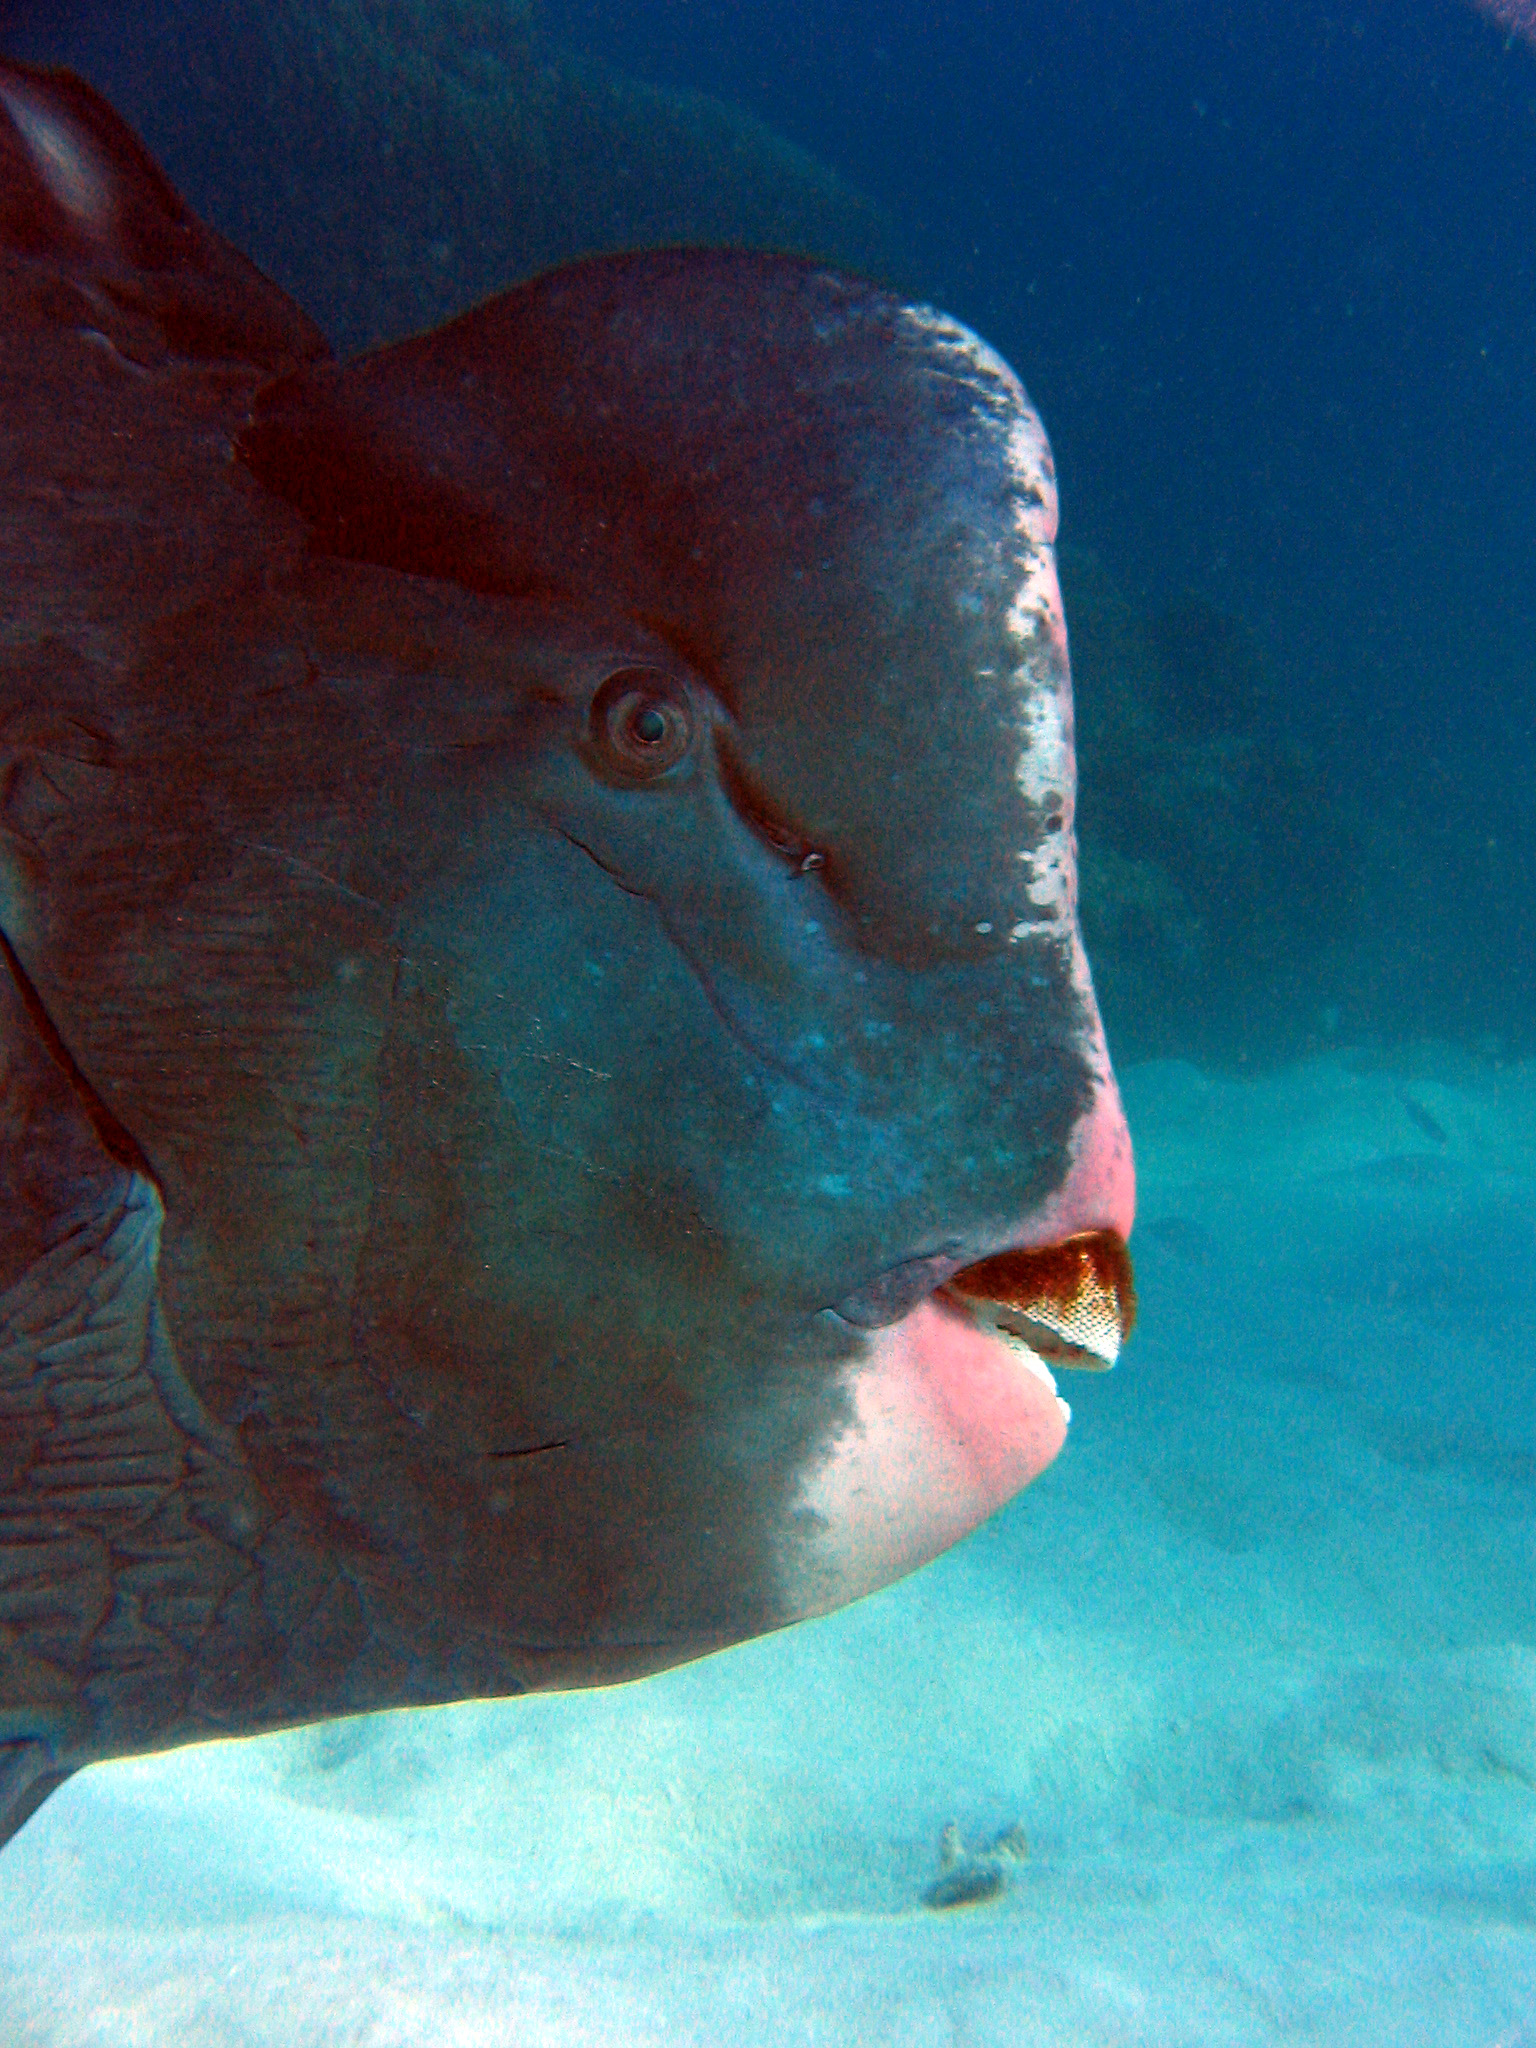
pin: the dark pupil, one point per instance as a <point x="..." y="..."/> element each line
<point x="649" y="726"/>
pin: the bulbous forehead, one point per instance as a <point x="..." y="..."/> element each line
<point x="680" y="427"/>
<point x="838" y="505"/>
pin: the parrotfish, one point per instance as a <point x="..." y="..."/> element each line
<point x="554" y="1114"/>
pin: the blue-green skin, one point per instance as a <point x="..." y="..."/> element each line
<point x="450" y="1172"/>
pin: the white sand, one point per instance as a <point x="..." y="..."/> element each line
<point x="1254" y="1667"/>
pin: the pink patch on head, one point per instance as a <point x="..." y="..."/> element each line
<point x="1099" y="1191"/>
<point x="949" y="1422"/>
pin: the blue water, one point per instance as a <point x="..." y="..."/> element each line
<point x="1254" y="1666"/>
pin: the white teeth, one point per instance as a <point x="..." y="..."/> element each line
<point x="1030" y="1360"/>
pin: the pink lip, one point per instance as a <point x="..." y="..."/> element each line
<point x="949" y="1422"/>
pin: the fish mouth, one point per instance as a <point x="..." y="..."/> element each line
<point x="1070" y="1304"/>
<point x="952" y="1406"/>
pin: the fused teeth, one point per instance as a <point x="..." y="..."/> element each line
<point x="1020" y="1347"/>
<point x="1024" y="1353"/>
<point x="1072" y="1303"/>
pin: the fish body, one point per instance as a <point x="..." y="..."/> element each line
<point x="540" y="960"/>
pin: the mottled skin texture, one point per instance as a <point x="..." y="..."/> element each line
<point x="462" y="1188"/>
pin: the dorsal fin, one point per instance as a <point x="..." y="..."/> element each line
<point x="77" y="175"/>
<point x="78" y="189"/>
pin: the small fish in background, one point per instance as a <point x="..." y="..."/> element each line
<point x="1423" y="1120"/>
<point x="554" y="1110"/>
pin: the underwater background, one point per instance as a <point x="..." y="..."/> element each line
<point x="1226" y="1730"/>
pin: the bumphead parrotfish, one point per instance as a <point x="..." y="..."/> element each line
<point x="553" y="1110"/>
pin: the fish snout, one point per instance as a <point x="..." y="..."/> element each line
<point x="1060" y="1282"/>
<point x="1063" y="1284"/>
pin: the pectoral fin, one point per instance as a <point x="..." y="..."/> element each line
<point x="122" y="1505"/>
<point x="29" y="1771"/>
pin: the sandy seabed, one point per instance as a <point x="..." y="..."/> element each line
<point x="1253" y="1669"/>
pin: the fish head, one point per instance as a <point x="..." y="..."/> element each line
<point x="549" y="869"/>
<point x="742" y="1010"/>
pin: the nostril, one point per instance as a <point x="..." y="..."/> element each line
<point x="771" y="824"/>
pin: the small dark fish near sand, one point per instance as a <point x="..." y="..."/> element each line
<point x="554" y="1115"/>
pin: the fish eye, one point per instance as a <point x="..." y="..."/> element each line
<point x="640" y="723"/>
